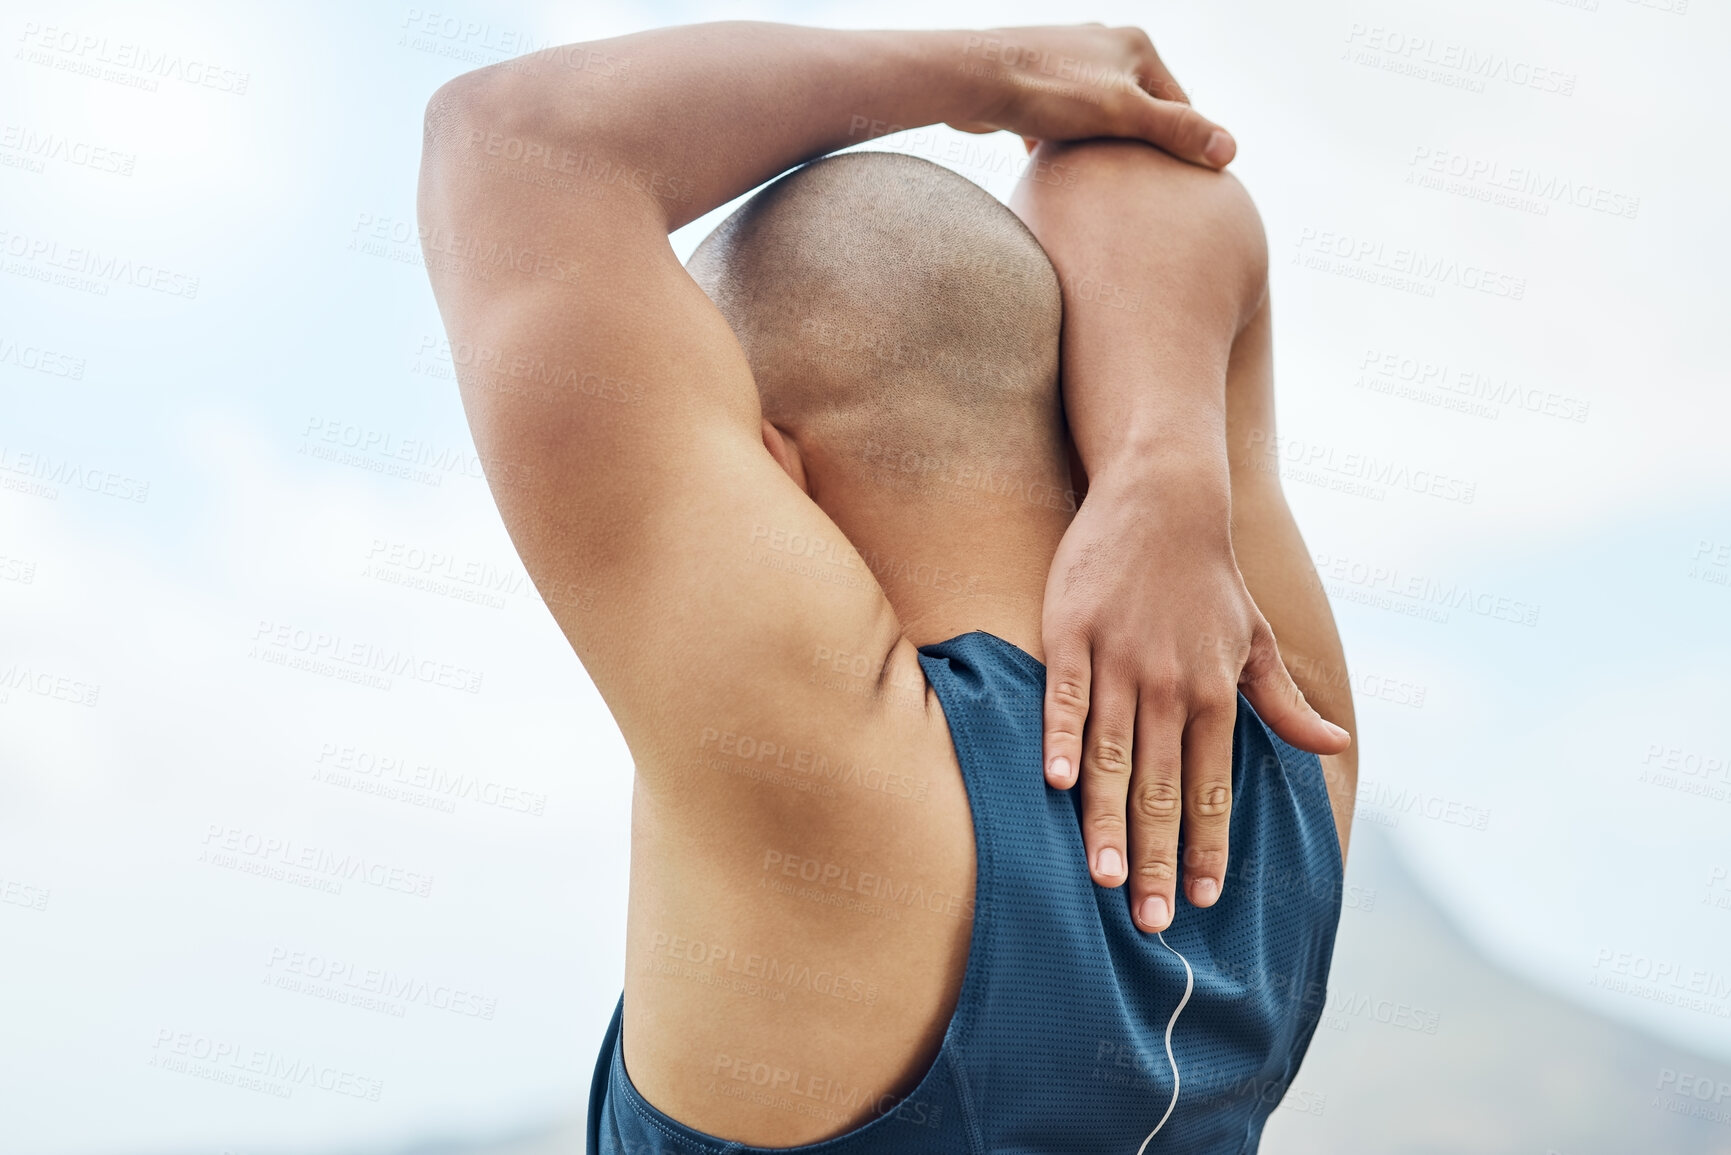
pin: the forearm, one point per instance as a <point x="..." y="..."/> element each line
<point x="1161" y="268"/>
<point x="694" y="116"/>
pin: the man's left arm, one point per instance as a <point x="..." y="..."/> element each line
<point x="1149" y="629"/>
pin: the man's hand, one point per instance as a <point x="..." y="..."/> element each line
<point x="1074" y="82"/>
<point x="1149" y="635"/>
<point x="1148" y="629"/>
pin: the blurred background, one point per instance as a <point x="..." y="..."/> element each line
<point x="230" y="439"/>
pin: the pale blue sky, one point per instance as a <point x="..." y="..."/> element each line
<point x="1618" y="528"/>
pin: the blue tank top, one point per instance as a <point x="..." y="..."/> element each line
<point x="1074" y="1031"/>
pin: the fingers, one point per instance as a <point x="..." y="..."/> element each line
<point x="1167" y="118"/>
<point x="1151" y="762"/>
<point x="1068" y="674"/>
<point x="1156" y="79"/>
<point x="1208" y="798"/>
<point x="1155" y="811"/>
<point x="1279" y="702"/>
<point x="1182" y="131"/>
<point x="1105" y="781"/>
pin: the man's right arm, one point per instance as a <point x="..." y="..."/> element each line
<point x="616" y="407"/>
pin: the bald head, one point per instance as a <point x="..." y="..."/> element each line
<point x="892" y="311"/>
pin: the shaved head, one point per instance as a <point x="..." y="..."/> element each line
<point x="896" y="317"/>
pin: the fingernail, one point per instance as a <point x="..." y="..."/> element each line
<point x="1219" y="149"/>
<point x="1060" y="770"/>
<point x="1337" y="731"/>
<point x="1110" y="864"/>
<point x="1204" y="891"/>
<point x="1154" y="912"/>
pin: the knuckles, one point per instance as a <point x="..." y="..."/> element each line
<point x="1199" y="861"/>
<point x="1067" y="695"/>
<point x="1107" y="825"/>
<point x="1109" y="756"/>
<point x="1158" y="803"/>
<point x="1212" y="802"/>
<point x="1164" y="684"/>
<point x="1190" y="130"/>
<point x="1215" y="698"/>
<point x="1156" y="873"/>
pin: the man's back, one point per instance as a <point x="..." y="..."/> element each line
<point x="1071" y="1030"/>
<point x="803" y="902"/>
<point x="843" y="762"/>
<point x="859" y="454"/>
<point x="866" y="908"/>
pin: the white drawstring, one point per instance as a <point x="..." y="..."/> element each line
<point x="1189" y="985"/>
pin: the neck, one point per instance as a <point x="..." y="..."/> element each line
<point x="957" y="557"/>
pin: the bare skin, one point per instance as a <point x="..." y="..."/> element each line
<point x="766" y="682"/>
<point x="1187" y="306"/>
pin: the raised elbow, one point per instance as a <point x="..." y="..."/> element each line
<point x="460" y="111"/>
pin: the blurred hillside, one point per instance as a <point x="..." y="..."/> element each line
<point x="1509" y="1069"/>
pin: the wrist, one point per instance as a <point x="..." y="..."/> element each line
<point x="948" y="67"/>
<point x="1188" y="490"/>
<point x="1187" y="444"/>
